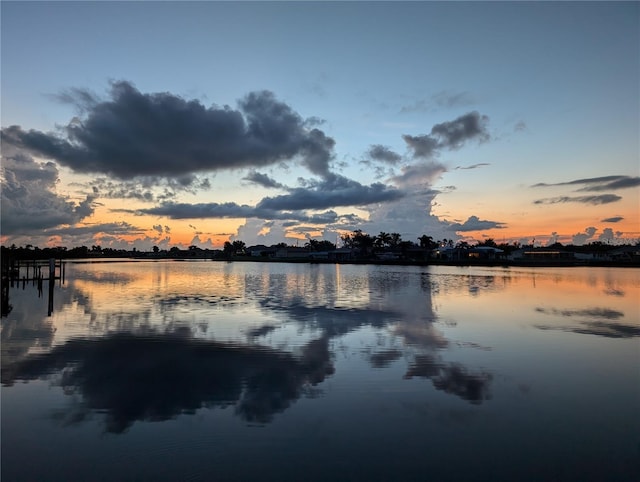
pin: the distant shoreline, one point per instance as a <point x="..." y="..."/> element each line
<point x="481" y="263"/>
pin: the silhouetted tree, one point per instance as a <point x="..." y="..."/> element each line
<point x="489" y="242"/>
<point x="238" y="246"/>
<point x="396" y="239"/>
<point x="427" y="242"/>
<point x="326" y="245"/>
<point x="383" y="239"/>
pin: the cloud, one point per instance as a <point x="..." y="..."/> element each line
<point x="233" y="210"/>
<point x="520" y="126"/>
<point x="30" y="203"/>
<point x="604" y="183"/>
<point x="423" y="146"/>
<point x="113" y="229"/>
<point x="454" y="133"/>
<point x="414" y="210"/>
<point x="334" y="191"/>
<point x="614" y="219"/>
<point x="410" y="216"/>
<point x="443" y="99"/>
<point x="262" y="180"/>
<point x="595" y="200"/>
<point x="474" y="166"/>
<point x="452" y="99"/>
<point x="581" y="238"/>
<point x="473" y="223"/>
<point x="146" y="189"/>
<point x="382" y="153"/>
<point x="115" y="235"/>
<point x="163" y="135"/>
<point x="553" y="238"/>
<point x="449" y="135"/>
<point x="201" y="210"/>
<point x="623" y="182"/>
<point x="419" y="174"/>
<point x="608" y="235"/>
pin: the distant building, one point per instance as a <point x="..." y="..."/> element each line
<point x="262" y="251"/>
<point x="292" y="252"/>
<point x="485" y="252"/>
<point x="625" y="253"/>
<point x="542" y="254"/>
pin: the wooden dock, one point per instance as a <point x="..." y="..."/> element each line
<point x="35" y="272"/>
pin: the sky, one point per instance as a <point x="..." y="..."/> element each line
<point x="140" y="124"/>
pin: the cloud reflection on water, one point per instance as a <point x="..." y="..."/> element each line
<point x="595" y="321"/>
<point x="120" y="369"/>
<point x="132" y="377"/>
<point x="137" y="364"/>
<point x="451" y="378"/>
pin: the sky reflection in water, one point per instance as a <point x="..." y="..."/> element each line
<point x="401" y="350"/>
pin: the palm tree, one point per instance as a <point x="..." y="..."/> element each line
<point x="347" y="240"/>
<point x="383" y="239"/>
<point x="396" y="238"/>
<point x="238" y="246"/>
<point x="427" y="242"/>
<point x="312" y="245"/>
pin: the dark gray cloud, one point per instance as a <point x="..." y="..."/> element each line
<point x="203" y="210"/>
<point x="624" y="182"/>
<point x="614" y="219"/>
<point x="382" y="153"/>
<point x="603" y="183"/>
<point x="134" y="134"/>
<point x="114" y="229"/>
<point x="147" y="189"/>
<point x="474" y="166"/>
<point x="473" y="223"/>
<point x="454" y="133"/>
<point x="82" y="99"/>
<point x="449" y="135"/>
<point x="30" y="202"/>
<point x="595" y="200"/>
<point x="233" y="210"/>
<point x="334" y="191"/>
<point x="262" y="180"/>
<point x="422" y="146"/>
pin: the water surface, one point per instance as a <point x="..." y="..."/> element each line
<point x="207" y="370"/>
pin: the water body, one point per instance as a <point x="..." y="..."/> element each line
<point x="207" y="370"/>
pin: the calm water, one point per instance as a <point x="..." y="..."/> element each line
<point x="248" y="371"/>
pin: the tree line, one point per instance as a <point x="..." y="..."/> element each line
<point x="358" y="240"/>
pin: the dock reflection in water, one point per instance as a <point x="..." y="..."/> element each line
<point x="389" y="372"/>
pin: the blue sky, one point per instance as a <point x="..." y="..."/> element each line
<point x="542" y="94"/>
